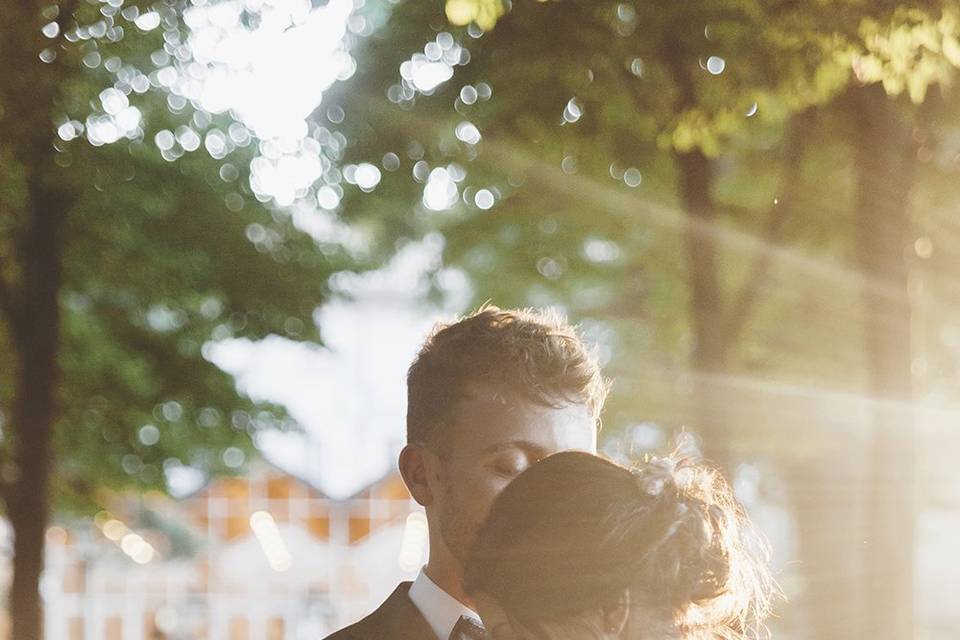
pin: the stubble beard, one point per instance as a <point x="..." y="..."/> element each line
<point x="457" y="528"/>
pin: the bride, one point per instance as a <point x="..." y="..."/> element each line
<point x="578" y="547"/>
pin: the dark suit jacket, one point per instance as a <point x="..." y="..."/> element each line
<point x="396" y="619"/>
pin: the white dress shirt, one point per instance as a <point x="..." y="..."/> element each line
<point x="439" y="608"/>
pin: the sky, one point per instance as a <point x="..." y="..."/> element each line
<point x="349" y="395"/>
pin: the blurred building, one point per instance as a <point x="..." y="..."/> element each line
<point x="263" y="557"/>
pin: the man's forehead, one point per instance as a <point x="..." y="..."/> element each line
<point x="495" y="397"/>
<point x="487" y="418"/>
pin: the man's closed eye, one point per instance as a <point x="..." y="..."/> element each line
<point x="510" y="467"/>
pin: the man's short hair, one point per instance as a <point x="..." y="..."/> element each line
<point x="517" y="353"/>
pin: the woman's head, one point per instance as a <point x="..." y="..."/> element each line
<point x="580" y="547"/>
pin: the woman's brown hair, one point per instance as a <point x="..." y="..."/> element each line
<point x="574" y="532"/>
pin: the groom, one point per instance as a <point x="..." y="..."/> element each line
<point x="487" y="397"/>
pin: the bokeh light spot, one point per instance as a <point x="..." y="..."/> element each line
<point x="233" y="457"/>
<point x="391" y="161"/>
<point x="149" y="434"/>
<point x="367" y="176"/>
<point x="148" y="21"/>
<point x="923" y="247"/>
<point x="440" y="192"/>
<point x="468" y="95"/>
<point x="51" y="30"/>
<point x="484" y="199"/>
<point x="573" y="111"/>
<point x="328" y="198"/>
<point x="716" y="65"/>
<point x="549" y="268"/>
<point x="467" y="132"/>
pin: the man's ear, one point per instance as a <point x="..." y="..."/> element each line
<point x="415" y="468"/>
<point x="616" y="614"/>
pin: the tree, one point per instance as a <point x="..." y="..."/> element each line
<point x="119" y="260"/>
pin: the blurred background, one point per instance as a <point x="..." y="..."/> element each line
<point x="226" y="226"/>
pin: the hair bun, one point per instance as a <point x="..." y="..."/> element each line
<point x="693" y="550"/>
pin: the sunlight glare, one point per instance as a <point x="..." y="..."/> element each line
<point x="274" y="75"/>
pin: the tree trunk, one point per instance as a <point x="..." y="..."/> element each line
<point x="37" y="340"/>
<point x="695" y="185"/>
<point x="826" y="495"/>
<point x="708" y="356"/>
<point x="29" y="97"/>
<point x="886" y="166"/>
<point x="855" y="513"/>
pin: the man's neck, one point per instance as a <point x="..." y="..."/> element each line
<point x="449" y="577"/>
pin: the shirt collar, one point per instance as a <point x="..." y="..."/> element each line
<point x="439" y="608"/>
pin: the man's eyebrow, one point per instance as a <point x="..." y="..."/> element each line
<point x="524" y="445"/>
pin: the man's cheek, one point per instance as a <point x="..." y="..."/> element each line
<point x="489" y="492"/>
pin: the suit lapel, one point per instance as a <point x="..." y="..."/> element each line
<point x="399" y="619"/>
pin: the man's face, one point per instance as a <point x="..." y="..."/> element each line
<point x="491" y="441"/>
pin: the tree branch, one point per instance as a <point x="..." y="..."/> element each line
<point x="66" y="12"/>
<point x="776" y="215"/>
